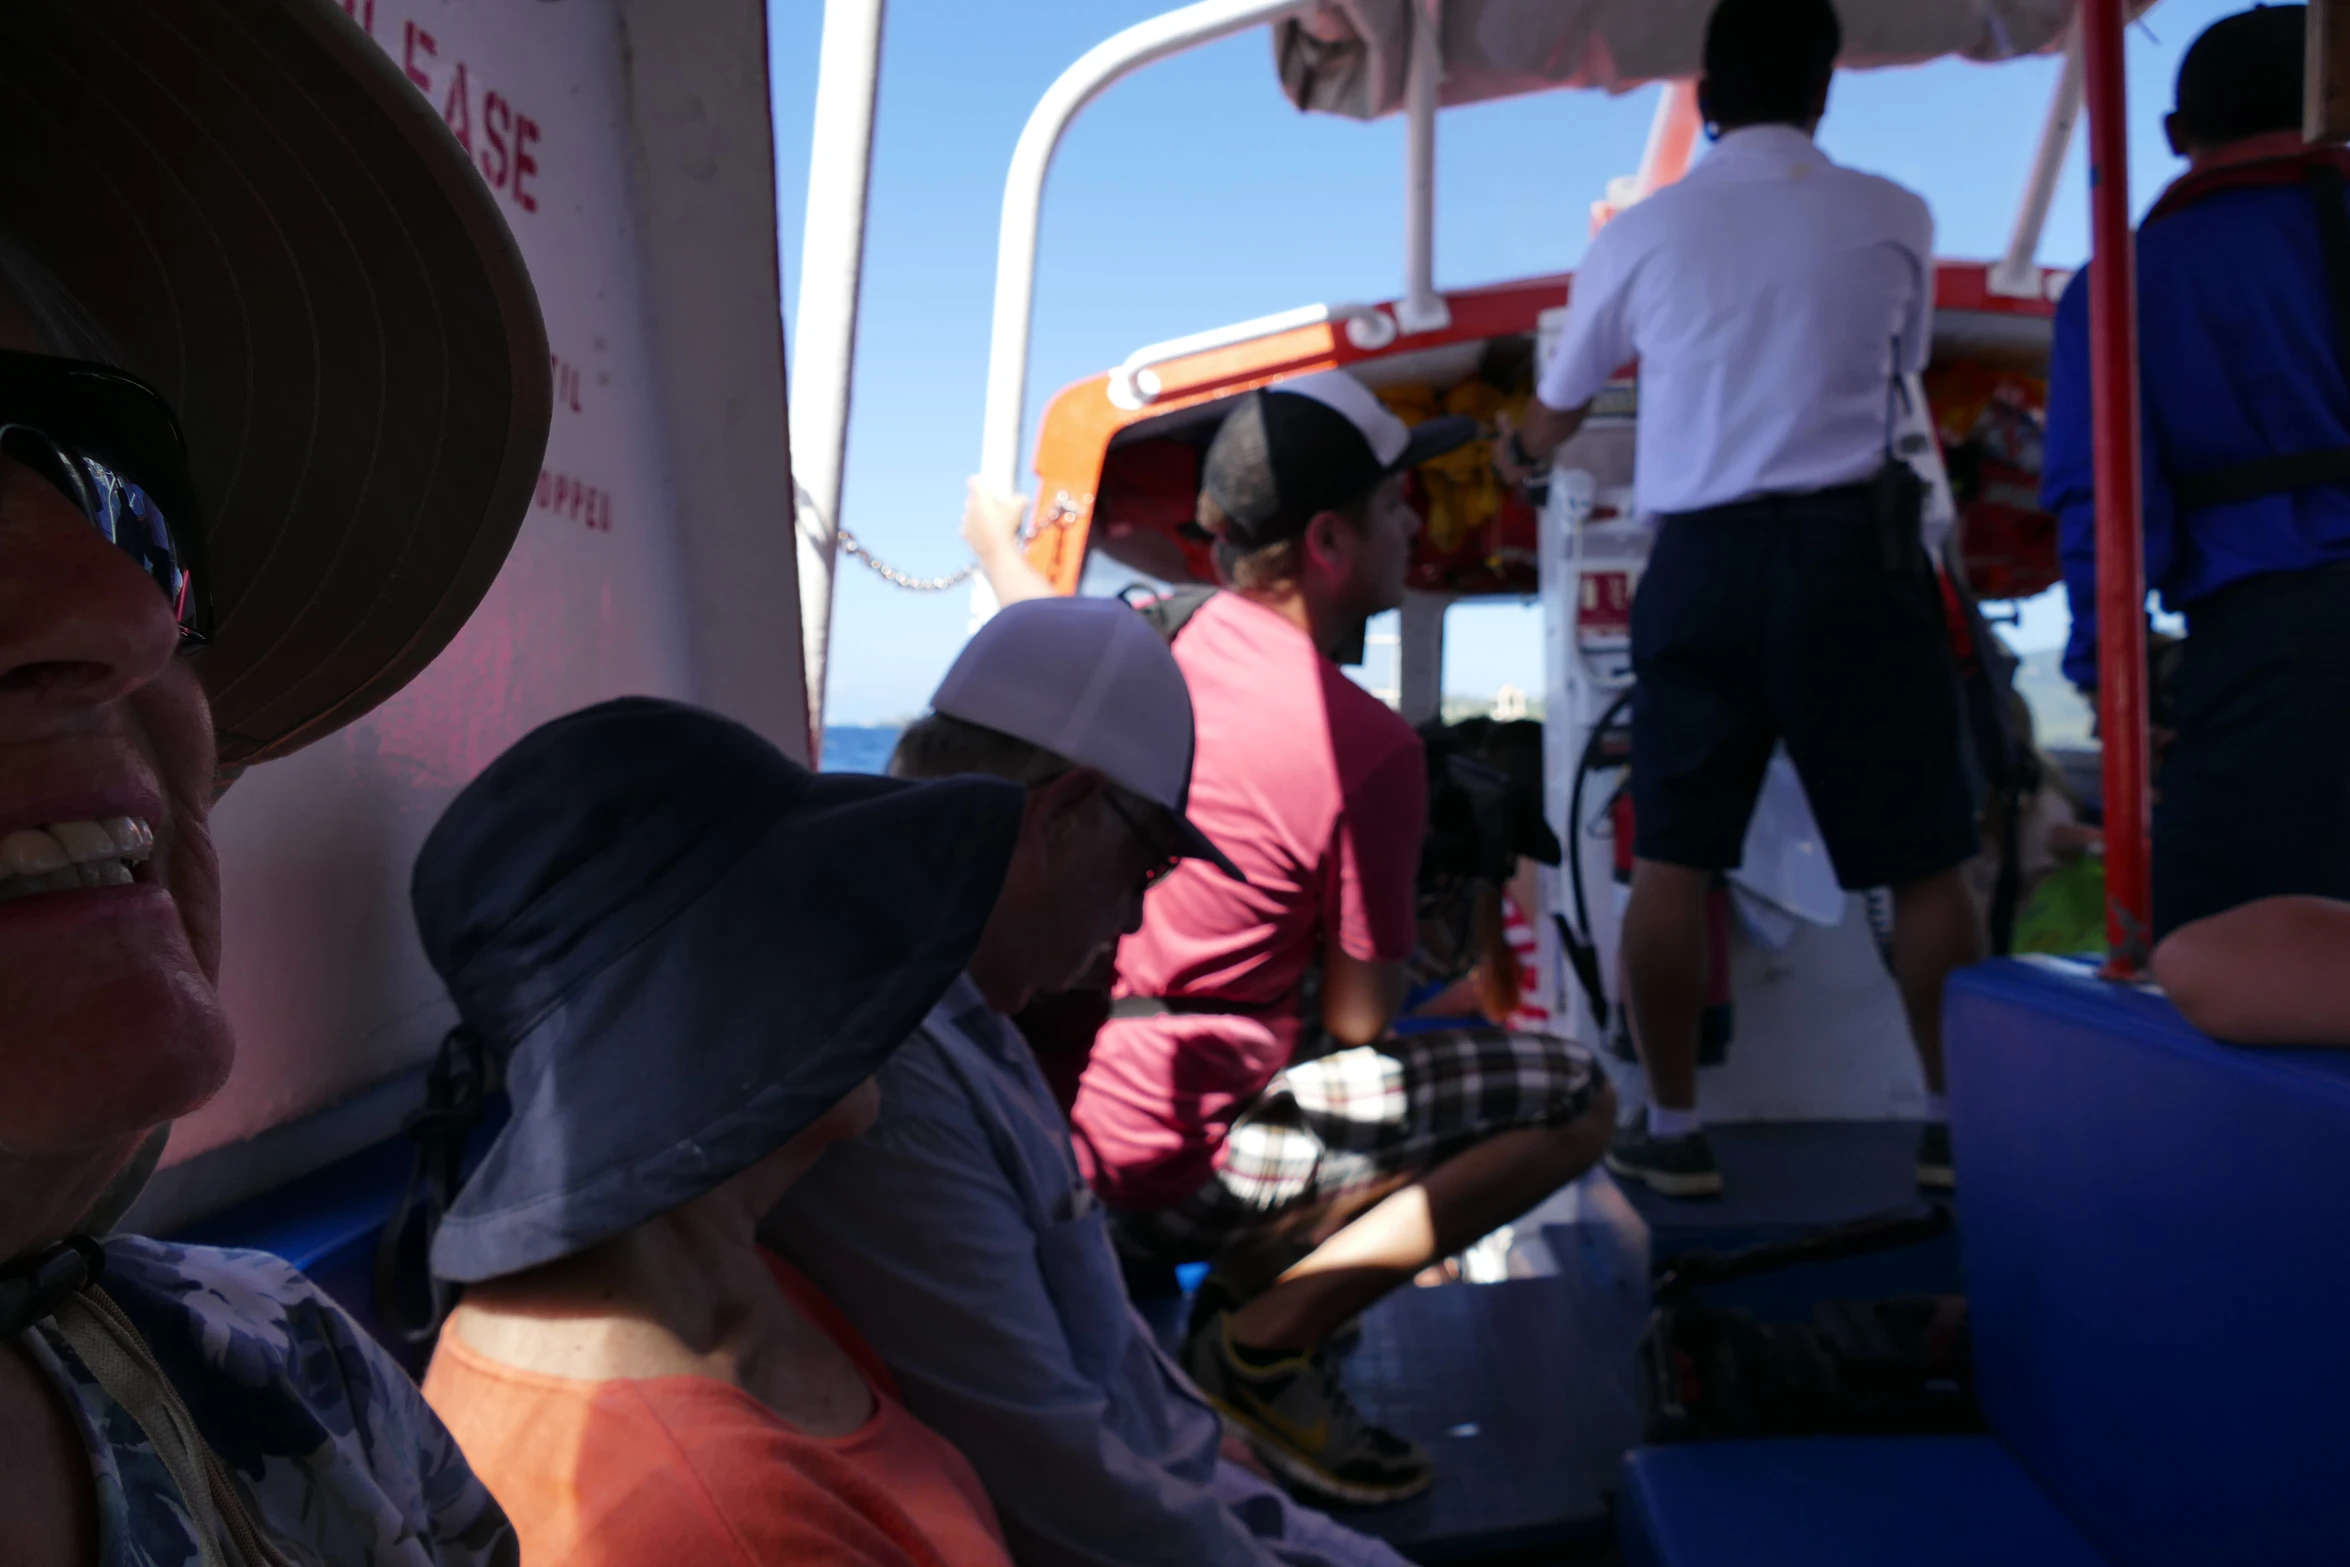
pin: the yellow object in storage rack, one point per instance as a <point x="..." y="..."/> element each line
<point x="1462" y="491"/>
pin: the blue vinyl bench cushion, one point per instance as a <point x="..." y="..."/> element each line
<point x="2157" y="1251"/>
<point x="1911" y="1501"/>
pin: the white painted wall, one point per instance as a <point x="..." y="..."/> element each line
<point x="657" y="559"/>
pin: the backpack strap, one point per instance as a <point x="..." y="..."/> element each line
<point x="110" y="1346"/>
<point x="2253" y="174"/>
<point x="1169" y="613"/>
<point x="2329" y="199"/>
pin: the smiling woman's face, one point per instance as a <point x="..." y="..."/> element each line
<point x="110" y="1022"/>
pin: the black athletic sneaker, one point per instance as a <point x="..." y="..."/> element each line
<point x="1674" y="1166"/>
<point x="1935" y="1171"/>
<point x="1299" y="1420"/>
<point x="1216" y="1295"/>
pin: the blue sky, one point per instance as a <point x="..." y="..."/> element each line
<point x="1191" y="195"/>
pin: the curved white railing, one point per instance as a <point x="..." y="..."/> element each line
<point x="1135" y="383"/>
<point x="1015" y="266"/>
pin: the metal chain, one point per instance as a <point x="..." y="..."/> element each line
<point x="899" y="579"/>
<point x="849" y="545"/>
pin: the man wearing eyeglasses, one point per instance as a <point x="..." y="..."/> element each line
<point x="959" y="1234"/>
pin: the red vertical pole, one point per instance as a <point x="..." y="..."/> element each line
<point x="2121" y="561"/>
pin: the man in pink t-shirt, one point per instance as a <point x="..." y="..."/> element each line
<point x="1245" y="1103"/>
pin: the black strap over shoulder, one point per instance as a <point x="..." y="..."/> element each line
<point x="454" y="1089"/>
<point x="2330" y="200"/>
<point x="2248" y="481"/>
<point x="31" y="1287"/>
<point x="1169" y="613"/>
<point x="1129" y="1007"/>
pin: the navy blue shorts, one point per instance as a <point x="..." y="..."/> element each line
<point x="2254" y="795"/>
<point x="1778" y="620"/>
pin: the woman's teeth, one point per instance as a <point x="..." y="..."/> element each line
<point x="65" y="855"/>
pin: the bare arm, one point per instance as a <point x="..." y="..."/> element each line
<point x="1546" y="429"/>
<point x="2275" y="972"/>
<point x="1458" y="999"/>
<point x="1359" y="999"/>
<point x="991" y="526"/>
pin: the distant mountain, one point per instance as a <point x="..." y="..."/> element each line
<point x="2059" y="716"/>
<point x="1458" y="707"/>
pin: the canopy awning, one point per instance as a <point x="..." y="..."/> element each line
<point x="1350" y="56"/>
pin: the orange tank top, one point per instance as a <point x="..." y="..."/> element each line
<point x="687" y="1471"/>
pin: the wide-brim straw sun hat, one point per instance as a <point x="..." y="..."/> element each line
<point x="269" y="224"/>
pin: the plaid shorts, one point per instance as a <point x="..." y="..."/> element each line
<point x="1344" y="1121"/>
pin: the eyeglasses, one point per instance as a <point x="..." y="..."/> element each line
<point x="1169" y="859"/>
<point x="108" y="443"/>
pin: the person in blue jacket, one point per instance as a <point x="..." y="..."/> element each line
<point x="2244" y="370"/>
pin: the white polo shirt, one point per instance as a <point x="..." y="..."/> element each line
<point x="1763" y="295"/>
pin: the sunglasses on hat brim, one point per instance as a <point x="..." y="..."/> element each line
<point x="111" y="446"/>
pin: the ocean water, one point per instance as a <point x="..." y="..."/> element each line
<point x="858" y="748"/>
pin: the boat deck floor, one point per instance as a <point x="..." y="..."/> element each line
<point x="1526" y="1391"/>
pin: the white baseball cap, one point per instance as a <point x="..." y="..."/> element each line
<point x="1089" y="680"/>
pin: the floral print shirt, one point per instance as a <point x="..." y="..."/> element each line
<point x="343" y="1462"/>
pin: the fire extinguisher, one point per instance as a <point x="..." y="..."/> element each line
<point x="1606" y="747"/>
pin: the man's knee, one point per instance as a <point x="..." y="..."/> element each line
<point x="1578" y="1142"/>
<point x="1598" y="1117"/>
<point x="1661" y="883"/>
<point x="1942" y="886"/>
<point x="1942" y="907"/>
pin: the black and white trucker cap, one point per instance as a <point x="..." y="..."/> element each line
<point x="1292" y="451"/>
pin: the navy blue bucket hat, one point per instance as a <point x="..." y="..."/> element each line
<point x="682" y="949"/>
